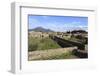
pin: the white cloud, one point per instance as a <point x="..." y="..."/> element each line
<point x="45" y="17"/>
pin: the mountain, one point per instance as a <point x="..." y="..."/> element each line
<point x="40" y="29"/>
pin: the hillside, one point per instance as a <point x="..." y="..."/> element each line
<point x="40" y="29"/>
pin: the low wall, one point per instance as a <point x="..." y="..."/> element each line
<point x="46" y="54"/>
<point x="68" y="43"/>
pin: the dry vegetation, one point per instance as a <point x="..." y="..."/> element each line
<point x="41" y="44"/>
<point x="60" y="53"/>
<point x="44" y="46"/>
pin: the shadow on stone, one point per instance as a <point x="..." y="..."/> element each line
<point x="79" y="54"/>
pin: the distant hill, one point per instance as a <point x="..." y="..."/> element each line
<point x="40" y="29"/>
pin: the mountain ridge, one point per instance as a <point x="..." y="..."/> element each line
<point x="40" y="29"/>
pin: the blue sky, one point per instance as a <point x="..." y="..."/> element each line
<point x="58" y="23"/>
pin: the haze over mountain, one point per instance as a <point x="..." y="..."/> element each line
<point x="40" y="29"/>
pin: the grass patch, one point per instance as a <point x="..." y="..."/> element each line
<point x="41" y="44"/>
